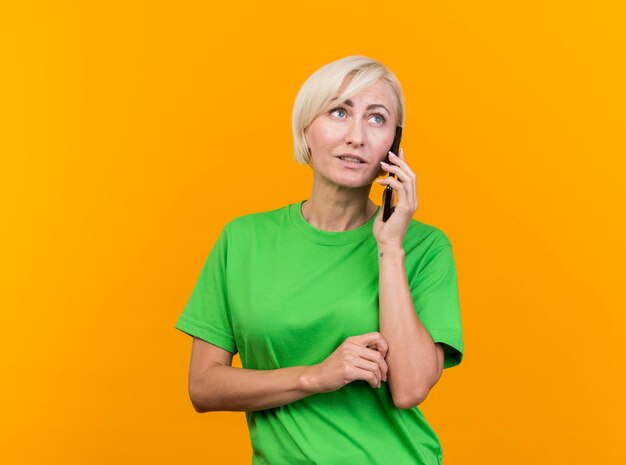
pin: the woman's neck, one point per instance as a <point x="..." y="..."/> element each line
<point x="339" y="209"/>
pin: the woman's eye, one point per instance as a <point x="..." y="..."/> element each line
<point x="336" y="110"/>
<point x="381" y="117"/>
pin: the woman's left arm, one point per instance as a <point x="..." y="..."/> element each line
<point x="415" y="362"/>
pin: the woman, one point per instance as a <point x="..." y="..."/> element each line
<point x="343" y="321"/>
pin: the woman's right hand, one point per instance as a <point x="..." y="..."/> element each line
<point x="358" y="357"/>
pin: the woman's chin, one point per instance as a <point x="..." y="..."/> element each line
<point x="351" y="181"/>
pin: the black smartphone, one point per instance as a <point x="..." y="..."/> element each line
<point x="388" y="193"/>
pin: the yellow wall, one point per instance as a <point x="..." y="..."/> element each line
<point x="130" y="132"/>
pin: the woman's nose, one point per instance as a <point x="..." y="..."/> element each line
<point x="356" y="134"/>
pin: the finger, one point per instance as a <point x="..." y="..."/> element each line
<point x="399" y="171"/>
<point x="372" y="339"/>
<point x="373" y="353"/>
<point x="377" y="357"/>
<point x="379" y="344"/>
<point x="368" y="376"/>
<point x="372" y="367"/>
<point x="399" y="187"/>
<point x="391" y="181"/>
<point x="405" y="175"/>
<point x="414" y="177"/>
<point x="406" y="191"/>
<point x="393" y="158"/>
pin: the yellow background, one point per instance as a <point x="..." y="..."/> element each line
<point x="130" y="132"/>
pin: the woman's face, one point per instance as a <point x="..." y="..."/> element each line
<point x="362" y="127"/>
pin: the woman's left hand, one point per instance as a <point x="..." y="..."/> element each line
<point x="392" y="231"/>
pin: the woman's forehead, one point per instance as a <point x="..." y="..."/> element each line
<point x="371" y="94"/>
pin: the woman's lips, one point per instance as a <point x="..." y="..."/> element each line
<point x="351" y="164"/>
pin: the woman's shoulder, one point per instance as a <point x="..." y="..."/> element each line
<point x="425" y="236"/>
<point x="254" y="221"/>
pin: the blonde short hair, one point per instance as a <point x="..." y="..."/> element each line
<point x="314" y="97"/>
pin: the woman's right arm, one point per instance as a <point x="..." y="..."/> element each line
<point x="215" y="385"/>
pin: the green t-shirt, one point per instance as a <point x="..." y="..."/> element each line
<point x="283" y="293"/>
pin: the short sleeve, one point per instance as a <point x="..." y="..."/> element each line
<point x="435" y="295"/>
<point x="207" y="315"/>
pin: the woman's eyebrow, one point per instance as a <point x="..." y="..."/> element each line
<point x="369" y="107"/>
